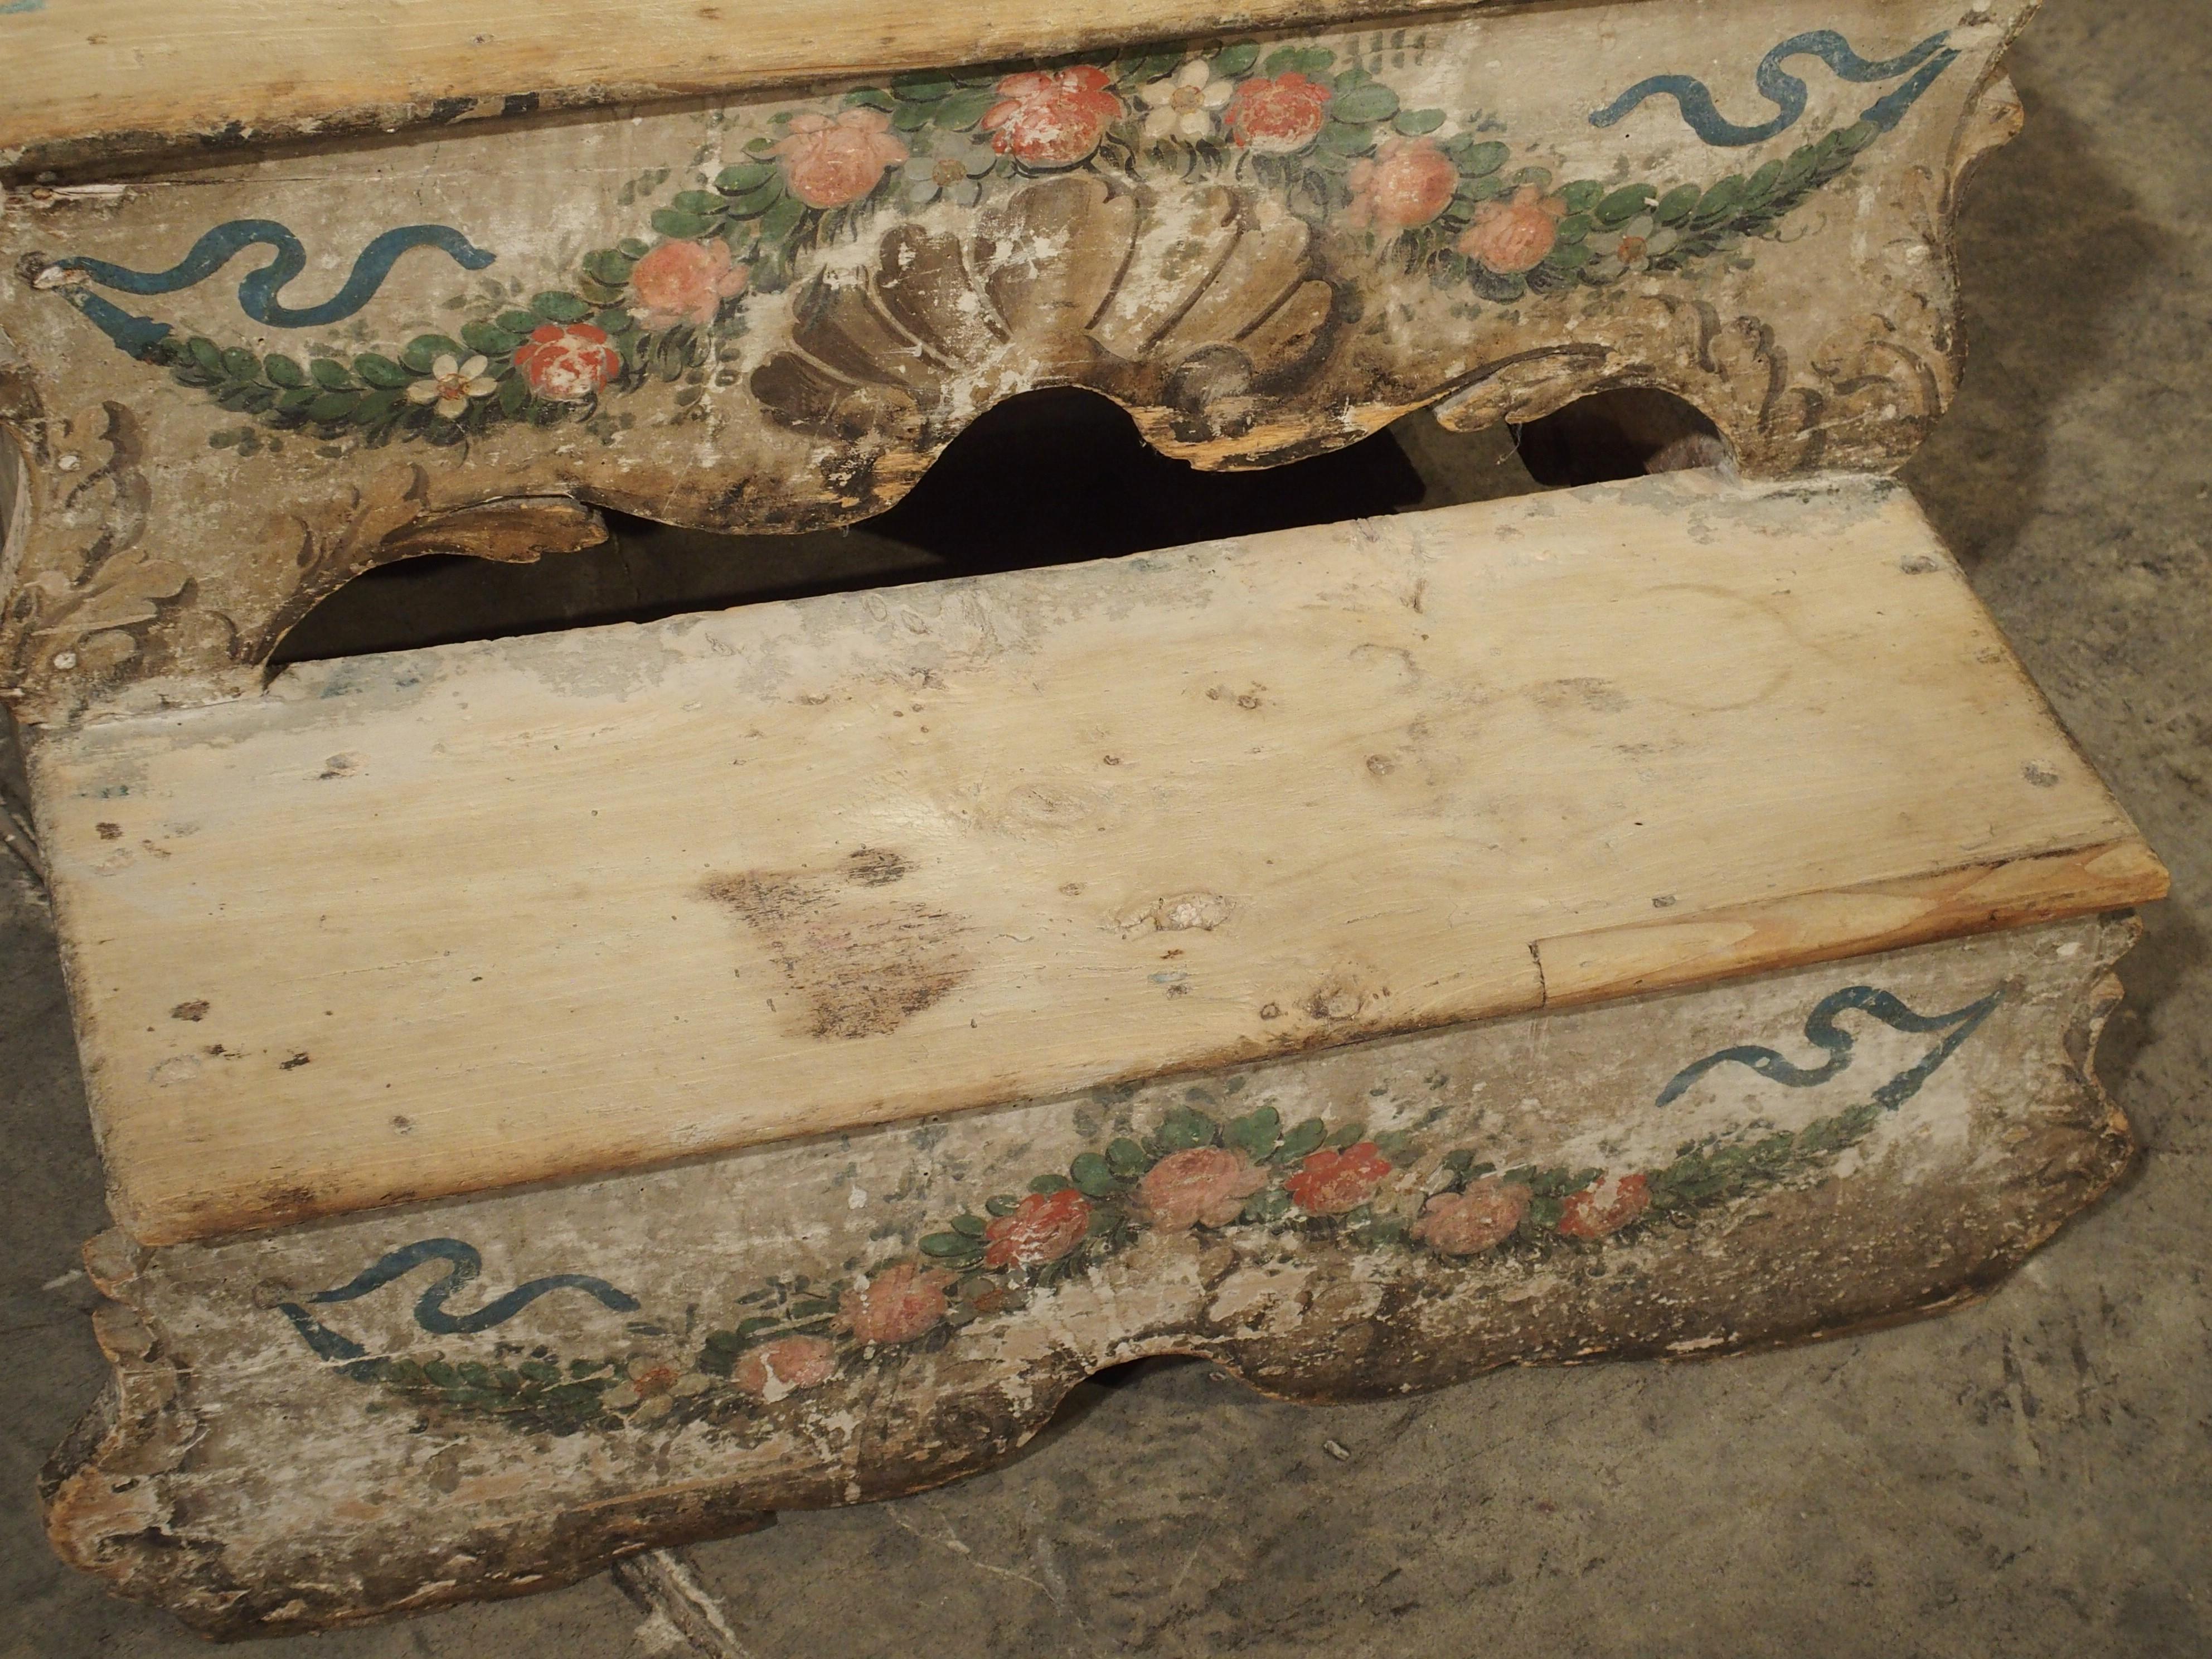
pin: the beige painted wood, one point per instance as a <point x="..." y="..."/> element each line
<point x="458" y="918"/>
<point x="93" y="78"/>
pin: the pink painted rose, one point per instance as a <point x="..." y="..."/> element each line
<point x="828" y="163"/>
<point x="566" y="362"/>
<point x="1329" y="1182"/>
<point x="1407" y="183"/>
<point x="1052" y="118"/>
<point x="1512" y="233"/>
<point x="1205" y="1185"/>
<point x="1277" y="117"/>
<point x="1605" y="1207"/>
<point x="786" y="1366"/>
<point x="1044" y="1227"/>
<point x="685" y="283"/>
<point x="897" y="1305"/>
<point x="1468" y="1223"/>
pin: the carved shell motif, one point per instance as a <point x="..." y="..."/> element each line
<point x="1204" y="303"/>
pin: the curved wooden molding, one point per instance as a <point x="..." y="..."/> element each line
<point x="775" y="363"/>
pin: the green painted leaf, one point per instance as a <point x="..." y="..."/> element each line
<point x="681" y="226"/>
<point x="1342" y="138"/>
<point x="912" y="118"/>
<point x="1415" y="122"/>
<point x="755" y="203"/>
<point x="609" y="265"/>
<point x="491" y="341"/>
<point x="1236" y="60"/>
<point x="972" y="1225"/>
<point x="426" y="349"/>
<point x="1183" y="1129"/>
<point x="240" y="364"/>
<point x="1350" y="1135"/>
<point x="744" y="176"/>
<point x="1623" y="204"/>
<point x="1093" y="1178"/>
<point x="513" y="393"/>
<point x="376" y="405"/>
<point x="558" y="307"/>
<point x="1303" y="1140"/>
<point x="1126" y="1158"/>
<point x="377" y="370"/>
<point x="1050" y="1184"/>
<point x="1857" y="136"/>
<point x="782" y="219"/>
<point x="1271" y="1204"/>
<point x="704" y="202"/>
<point x="1485" y="159"/>
<point x="298" y="398"/>
<point x="206" y="353"/>
<point x="1677" y="204"/>
<point x="1152" y="67"/>
<point x="871" y="97"/>
<point x="1004" y="1204"/>
<point x="1308" y="61"/>
<point x="947" y="1246"/>
<point x="283" y="371"/>
<point x="1369" y="101"/>
<point x="245" y="398"/>
<point x="923" y="86"/>
<point x="1256" y="1134"/>
<point x="1720" y="199"/>
<point x="964" y="109"/>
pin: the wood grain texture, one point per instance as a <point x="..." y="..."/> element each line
<point x="435" y="1452"/>
<point x="464" y="917"/>
<point x="99" y="79"/>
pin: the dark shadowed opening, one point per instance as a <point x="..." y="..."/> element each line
<point x="1050" y="478"/>
<point x="1623" y="433"/>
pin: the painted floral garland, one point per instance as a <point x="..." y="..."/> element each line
<point x="1247" y="1177"/>
<point x="1328" y="135"/>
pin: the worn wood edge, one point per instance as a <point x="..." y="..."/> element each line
<point x="1849" y="921"/>
<point x="677" y="52"/>
<point x="79" y="1485"/>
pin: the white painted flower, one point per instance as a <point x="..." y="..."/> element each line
<point x="1182" y="104"/>
<point x="1631" y="248"/>
<point x="452" y="385"/>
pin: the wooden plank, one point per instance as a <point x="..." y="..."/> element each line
<point x="454" y="919"/>
<point x="94" y="79"/>
<point x="790" y="1326"/>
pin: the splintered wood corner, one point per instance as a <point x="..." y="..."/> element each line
<point x="457" y="919"/>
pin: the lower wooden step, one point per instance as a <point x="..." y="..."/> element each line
<point x="496" y="1394"/>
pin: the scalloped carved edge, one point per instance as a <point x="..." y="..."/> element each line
<point x="118" y="1493"/>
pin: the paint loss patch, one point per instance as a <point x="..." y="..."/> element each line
<point x="854" y="960"/>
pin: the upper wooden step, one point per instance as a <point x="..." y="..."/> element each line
<point x="91" y="79"/>
<point x="453" y="919"/>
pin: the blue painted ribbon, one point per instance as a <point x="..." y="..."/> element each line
<point x="1787" y="93"/>
<point x="463" y="1265"/>
<point x="1824" y="1034"/>
<point x="257" y="293"/>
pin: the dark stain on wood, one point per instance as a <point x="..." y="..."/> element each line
<point x="860" y="965"/>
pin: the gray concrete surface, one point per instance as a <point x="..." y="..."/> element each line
<point x="2030" y="1477"/>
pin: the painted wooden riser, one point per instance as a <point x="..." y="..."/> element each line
<point x="855" y="1316"/>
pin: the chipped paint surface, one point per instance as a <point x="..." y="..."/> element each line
<point x="378" y="1466"/>
<point x="776" y="313"/>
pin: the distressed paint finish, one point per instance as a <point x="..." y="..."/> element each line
<point x="775" y="313"/>
<point x="481" y="1440"/>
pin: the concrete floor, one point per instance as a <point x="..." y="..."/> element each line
<point x="2033" y="1476"/>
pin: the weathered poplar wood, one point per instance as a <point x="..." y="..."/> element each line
<point x="797" y="867"/>
<point x="233" y="391"/>
<point x="401" y="1410"/>
<point x="99" y="79"/>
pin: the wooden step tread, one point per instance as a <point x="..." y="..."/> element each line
<point x="96" y="78"/>
<point x="461" y="918"/>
